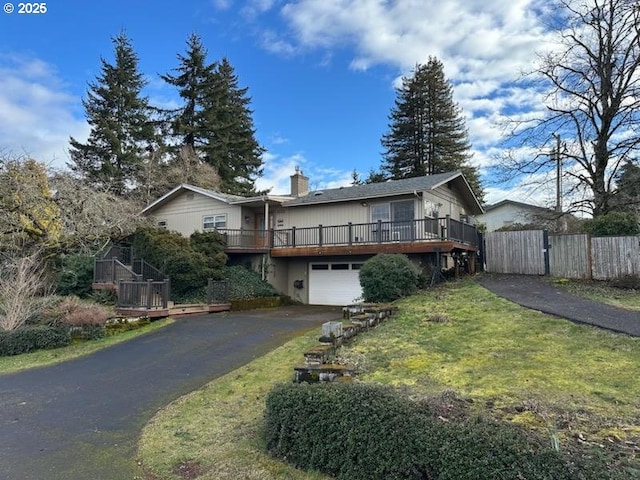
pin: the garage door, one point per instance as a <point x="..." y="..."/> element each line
<point x="334" y="283"/>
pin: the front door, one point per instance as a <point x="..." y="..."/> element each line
<point x="260" y="230"/>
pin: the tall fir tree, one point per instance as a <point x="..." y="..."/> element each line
<point x="214" y="125"/>
<point x="232" y="149"/>
<point x="121" y="124"/>
<point x="194" y="76"/>
<point x="427" y="132"/>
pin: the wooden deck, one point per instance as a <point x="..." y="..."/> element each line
<point x="424" y="235"/>
<point x="174" y="310"/>
<point x="374" y="248"/>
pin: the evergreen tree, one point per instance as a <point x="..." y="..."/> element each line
<point x="121" y="126"/>
<point x="193" y="78"/>
<point x="214" y="125"/>
<point x="627" y="194"/>
<point x="427" y="132"/>
<point x="231" y="148"/>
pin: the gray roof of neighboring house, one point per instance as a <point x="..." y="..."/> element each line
<point x="387" y="189"/>
<point x="527" y="206"/>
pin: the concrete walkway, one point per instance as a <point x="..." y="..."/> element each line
<point x="539" y="294"/>
<point x="80" y="420"/>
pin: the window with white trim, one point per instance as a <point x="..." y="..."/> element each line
<point x="214" y="222"/>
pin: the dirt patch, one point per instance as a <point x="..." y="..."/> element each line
<point x="188" y="470"/>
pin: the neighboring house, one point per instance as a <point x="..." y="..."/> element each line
<point x="310" y="245"/>
<point x="509" y="213"/>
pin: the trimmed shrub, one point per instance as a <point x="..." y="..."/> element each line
<point x="37" y="337"/>
<point x="363" y="431"/>
<point x="387" y="277"/>
<point x="350" y="431"/>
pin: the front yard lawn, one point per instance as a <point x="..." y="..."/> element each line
<point x="602" y="292"/>
<point x="575" y="384"/>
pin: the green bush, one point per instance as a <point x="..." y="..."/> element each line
<point x="614" y="223"/>
<point x="387" y="277"/>
<point x="363" y="431"/>
<point x="75" y="276"/>
<point x="246" y="284"/>
<point x="31" y="338"/>
<point x="174" y="255"/>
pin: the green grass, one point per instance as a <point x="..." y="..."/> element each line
<point x="602" y="292"/>
<point x="216" y="430"/>
<point x="43" y="358"/>
<point x="570" y="382"/>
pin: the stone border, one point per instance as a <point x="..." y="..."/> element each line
<point x="318" y="361"/>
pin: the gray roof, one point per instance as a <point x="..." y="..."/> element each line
<point x="388" y="189"/>
<point x="523" y="205"/>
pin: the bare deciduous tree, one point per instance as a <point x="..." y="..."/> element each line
<point x="92" y="217"/>
<point x="23" y="284"/>
<point x="592" y="84"/>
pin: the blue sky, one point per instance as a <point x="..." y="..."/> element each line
<point x="321" y="73"/>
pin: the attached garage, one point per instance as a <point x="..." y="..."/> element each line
<point x="334" y="283"/>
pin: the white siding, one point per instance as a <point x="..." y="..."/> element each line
<point x="184" y="213"/>
<point x="504" y="216"/>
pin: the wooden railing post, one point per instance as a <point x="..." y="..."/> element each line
<point x="293" y="236"/>
<point x="119" y="293"/>
<point x="149" y="293"/>
<point x="379" y="231"/>
<point x="320" y="235"/>
<point x="165" y="294"/>
<point x="350" y="227"/>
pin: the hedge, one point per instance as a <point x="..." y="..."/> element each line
<point x="361" y="431"/>
<point x="38" y="337"/>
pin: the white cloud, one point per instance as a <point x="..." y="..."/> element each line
<point x="222" y="4"/>
<point x="485" y="45"/>
<point x="36" y="111"/>
<point x="278" y="170"/>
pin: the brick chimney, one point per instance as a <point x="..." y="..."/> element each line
<point x="299" y="184"/>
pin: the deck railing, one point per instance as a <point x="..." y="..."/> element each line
<point x="111" y="270"/>
<point x="147" y="271"/>
<point x="149" y="295"/>
<point x="421" y="230"/>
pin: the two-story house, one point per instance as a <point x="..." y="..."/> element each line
<point x="311" y="244"/>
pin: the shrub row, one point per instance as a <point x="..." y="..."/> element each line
<point x="360" y="431"/>
<point x="30" y="338"/>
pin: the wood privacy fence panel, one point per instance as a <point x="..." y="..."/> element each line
<point x="615" y="257"/>
<point x="515" y="252"/>
<point x="569" y="256"/>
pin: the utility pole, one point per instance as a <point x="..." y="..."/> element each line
<point x="558" y="175"/>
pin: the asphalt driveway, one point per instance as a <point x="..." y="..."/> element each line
<point x="538" y="293"/>
<point x="81" y="419"/>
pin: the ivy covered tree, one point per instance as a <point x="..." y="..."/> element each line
<point x="214" y="125"/>
<point x="121" y="124"/>
<point x="427" y="132"/>
<point x="29" y="216"/>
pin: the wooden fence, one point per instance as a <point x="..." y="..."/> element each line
<point x="534" y="252"/>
